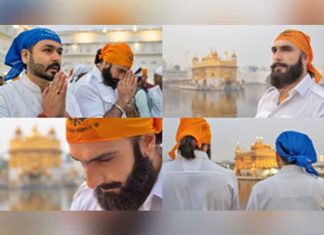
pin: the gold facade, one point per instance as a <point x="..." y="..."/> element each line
<point x="261" y="157"/>
<point x="35" y="155"/>
<point x="213" y="67"/>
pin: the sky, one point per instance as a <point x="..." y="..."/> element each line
<point x="252" y="43"/>
<point x="227" y="132"/>
<point x="9" y="125"/>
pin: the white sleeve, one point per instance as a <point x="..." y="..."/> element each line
<point x="90" y="103"/>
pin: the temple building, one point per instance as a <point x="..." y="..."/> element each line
<point x="259" y="162"/>
<point x="212" y="70"/>
<point x="34" y="160"/>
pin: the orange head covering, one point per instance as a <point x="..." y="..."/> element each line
<point x="85" y="130"/>
<point x="302" y="41"/>
<point x="195" y="127"/>
<point x="144" y="72"/>
<point x="117" y="53"/>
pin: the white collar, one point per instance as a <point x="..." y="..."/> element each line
<point x="97" y="74"/>
<point x="156" y="192"/>
<point x="304" y="85"/>
<point x="29" y="84"/>
<point x="292" y="168"/>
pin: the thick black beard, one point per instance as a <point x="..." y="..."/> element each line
<point x="108" y="79"/>
<point x="280" y="80"/>
<point x="39" y="70"/>
<point x="137" y="188"/>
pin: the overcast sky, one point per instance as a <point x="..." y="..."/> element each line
<point x="226" y="132"/>
<point x="251" y="43"/>
<point x="9" y="125"/>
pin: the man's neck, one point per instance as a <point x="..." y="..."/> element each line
<point x="284" y="92"/>
<point x="41" y="83"/>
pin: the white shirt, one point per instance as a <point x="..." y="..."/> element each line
<point x="305" y="100"/>
<point x="290" y="189"/>
<point x="23" y="98"/>
<point x="142" y="103"/>
<point x="155" y="101"/>
<point x="85" y="200"/>
<point x="198" y="184"/>
<point x="93" y="96"/>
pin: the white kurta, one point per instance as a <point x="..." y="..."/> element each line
<point x="290" y="189"/>
<point x="155" y="101"/>
<point x="23" y="98"/>
<point x="198" y="184"/>
<point x="305" y="100"/>
<point x="93" y="96"/>
<point x="85" y="200"/>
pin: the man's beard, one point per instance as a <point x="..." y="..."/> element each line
<point x="137" y="188"/>
<point x="280" y="80"/>
<point x="108" y="79"/>
<point x="40" y="71"/>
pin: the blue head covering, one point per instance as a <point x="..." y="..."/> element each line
<point x="26" y="40"/>
<point x="297" y="147"/>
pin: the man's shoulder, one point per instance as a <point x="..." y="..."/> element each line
<point x="318" y="90"/>
<point x="8" y="88"/>
<point x="269" y="92"/>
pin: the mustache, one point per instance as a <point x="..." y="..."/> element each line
<point x="54" y="65"/>
<point x="112" y="185"/>
<point x="274" y="65"/>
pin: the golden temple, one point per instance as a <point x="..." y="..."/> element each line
<point x="34" y="158"/>
<point x="213" y="70"/>
<point x="260" y="161"/>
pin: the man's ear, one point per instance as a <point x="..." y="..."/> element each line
<point x="25" y="54"/>
<point x="147" y="144"/>
<point x="304" y="58"/>
<point x="279" y="161"/>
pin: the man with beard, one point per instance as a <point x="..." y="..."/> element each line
<point x="191" y="181"/>
<point x="294" y="91"/>
<point x="121" y="160"/>
<point x="297" y="185"/>
<point x="107" y="90"/>
<point x="41" y="90"/>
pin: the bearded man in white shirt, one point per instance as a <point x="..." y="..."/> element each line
<point x="295" y="91"/>
<point x="108" y="89"/>
<point x="41" y="89"/>
<point x="121" y="160"/>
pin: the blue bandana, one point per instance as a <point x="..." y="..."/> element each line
<point x="26" y="40"/>
<point x="297" y="147"/>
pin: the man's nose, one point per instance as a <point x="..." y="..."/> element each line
<point x="93" y="177"/>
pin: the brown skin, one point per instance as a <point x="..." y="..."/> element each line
<point x="46" y="52"/>
<point x="126" y="87"/>
<point x="111" y="161"/>
<point x="158" y="80"/>
<point x="279" y="161"/>
<point x="284" y="51"/>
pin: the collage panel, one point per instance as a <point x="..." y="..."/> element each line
<point x="243" y="71"/>
<point x="242" y="164"/>
<point x="81" y="71"/>
<point x="91" y="164"/>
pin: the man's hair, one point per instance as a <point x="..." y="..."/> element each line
<point x="285" y="161"/>
<point x="187" y="147"/>
<point x="97" y="59"/>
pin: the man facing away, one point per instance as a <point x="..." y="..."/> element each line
<point x="297" y="185"/>
<point x="191" y="181"/>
